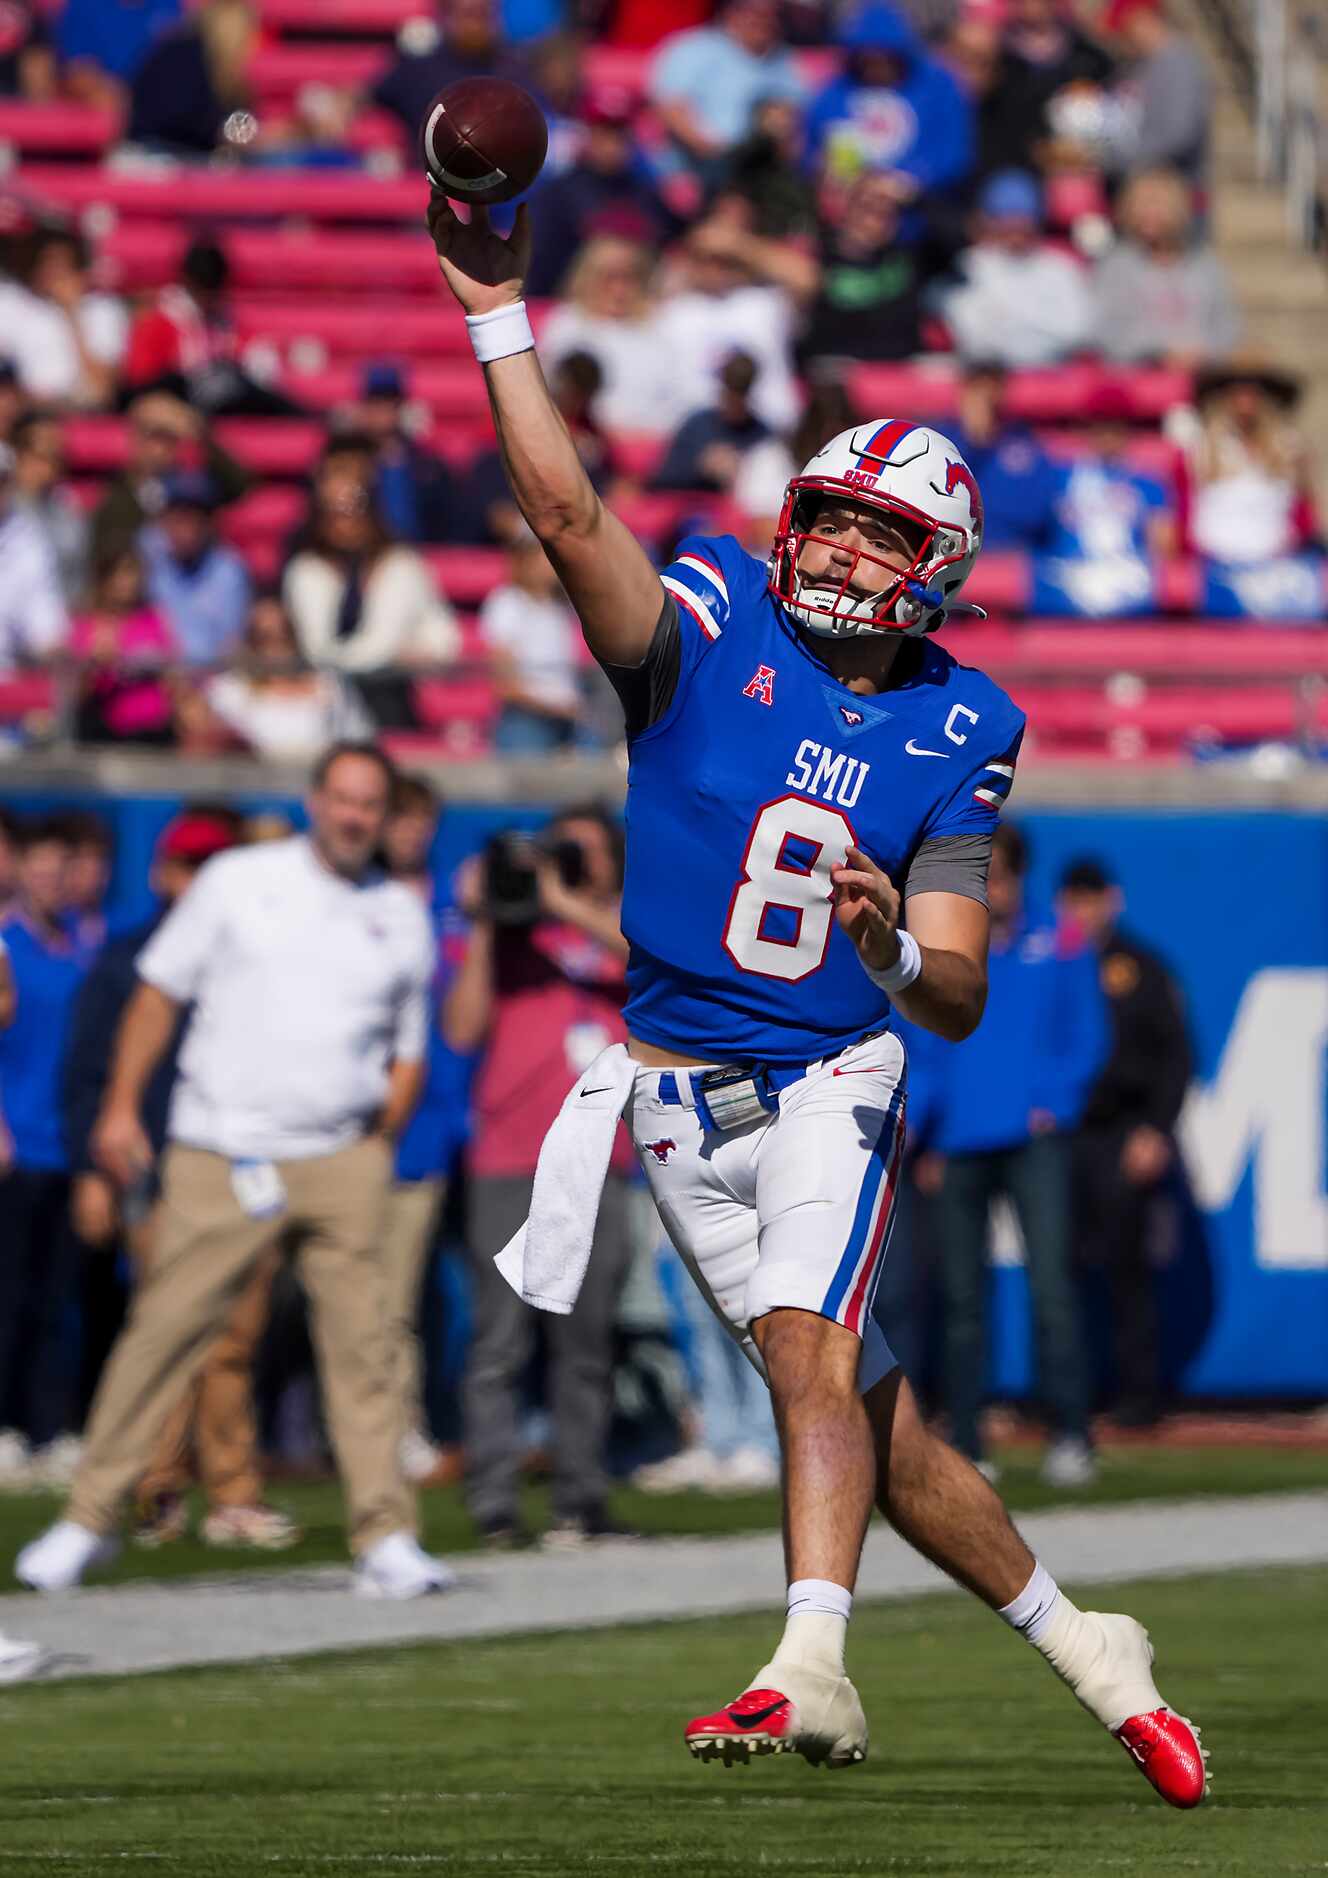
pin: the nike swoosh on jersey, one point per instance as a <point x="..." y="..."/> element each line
<point x="914" y="749"/>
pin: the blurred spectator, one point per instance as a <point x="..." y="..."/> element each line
<point x="1247" y="490"/>
<point x="431" y="1142"/>
<point x="767" y="171"/>
<point x="1045" y="53"/>
<point x="707" y="83"/>
<point x="211" y="1433"/>
<point x="1111" y="522"/>
<point x="871" y="283"/>
<point x="541" y="990"/>
<point x="102" y="43"/>
<point x="735" y="1448"/>
<point x="271" y="700"/>
<point x="705" y="452"/>
<point x="610" y="313"/>
<point x="1126" y="1143"/>
<point x="27" y="67"/>
<point x="1018" y="480"/>
<point x="162" y="433"/>
<point x="362" y="603"/>
<point x="1019" y="300"/>
<point x="556" y="77"/>
<point x="279" y="1129"/>
<point x="346" y="463"/>
<point x="12" y="402"/>
<point x="486" y="511"/>
<point x="731" y="293"/>
<point x="469" y="45"/>
<point x="39" y="493"/>
<point x="39" y="1268"/>
<point x="1010" y="1099"/>
<point x="895" y="109"/>
<point x="1161" y="294"/>
<point x="534" y="642"/>
<point x="316" y="136"/>
<point x="201" y="587"/>
<point x="88" y="877"/>
<point x="764" y="473"/>
<point x="65" y="340"/>
<point x="192" y="79"/>
<point x="33" y="620"/>
<point x="1164" y="98"/>
<point x="609" y="173"/>
<point x="413" y="486"/>
<point x="118" y="632"/>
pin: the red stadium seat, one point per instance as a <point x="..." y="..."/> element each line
<point x="1151" y="648"/>
<point x="23" y="693"/>
<point x="377" y="19"/>
<point x="268" y="446"/>
<point x="453" y="390"/>
<point x="254" y="195"/>
<point x="467" y="575"/>
<point x="1054" y="396"/>
<point x="365" y="329"/>
<point x="1000" y="582"/>
<point x="57" y="129"/>
<point x="276" y="72"/>
<point x="264" y="518"/>
<point x="138" y="255"/>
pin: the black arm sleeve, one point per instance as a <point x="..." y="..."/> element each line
<point x="646" y="690"/>
<point x="951" y="864"/>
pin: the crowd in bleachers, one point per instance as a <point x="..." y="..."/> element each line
<point x="248" y="491"/>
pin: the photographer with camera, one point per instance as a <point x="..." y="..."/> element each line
<point x="540" y="992"/>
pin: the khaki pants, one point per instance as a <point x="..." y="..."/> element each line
<point x="412" y="1216"/>
<point x="211" y="1434"/>
<point x="207" y="1250"/>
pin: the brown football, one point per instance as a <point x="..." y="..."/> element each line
<point x="484" y="140"/>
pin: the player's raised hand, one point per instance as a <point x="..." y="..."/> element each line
<point x="483" y="268"/>
<point x="867" y="906"/>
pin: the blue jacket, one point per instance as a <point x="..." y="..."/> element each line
<point x="88" y="1050"/>
<point x="1039" y="1047"/>
<point x="922" y="126"/>
<point x="46" y="980"/>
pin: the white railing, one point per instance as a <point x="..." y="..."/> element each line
<point x="1291" y="140"/>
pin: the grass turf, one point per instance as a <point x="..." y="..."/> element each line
<point x="560" y="1754"/>
<point x="1127" y="1473"/>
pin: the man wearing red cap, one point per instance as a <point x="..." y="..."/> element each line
<point x="215" y="1418"/>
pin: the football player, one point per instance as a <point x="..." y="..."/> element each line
<point x="805" y="764"/>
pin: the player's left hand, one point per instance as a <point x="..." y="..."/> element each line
<point x="867" y="906"/>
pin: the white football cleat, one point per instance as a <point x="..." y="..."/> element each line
<point x="788" y="1709"/>
<point x="62" y="1556"/>
<point x="398" y="1567"/>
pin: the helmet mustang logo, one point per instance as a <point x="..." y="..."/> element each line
<point x="957" y="476"/>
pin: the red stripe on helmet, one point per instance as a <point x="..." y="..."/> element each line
<point x="886" y="439"/>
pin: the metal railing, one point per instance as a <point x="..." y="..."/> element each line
<point x="1290" y="44"/>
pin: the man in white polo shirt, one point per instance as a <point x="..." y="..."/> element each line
<point x="308" y="973"/>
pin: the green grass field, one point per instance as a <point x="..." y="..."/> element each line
<point x="560" y="1754"/>
<point x="1128" y="1473"/>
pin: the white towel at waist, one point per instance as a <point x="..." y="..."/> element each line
<point x="545" y="1262"/>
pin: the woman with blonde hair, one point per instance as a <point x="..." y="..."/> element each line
<point x="1161" y="295"/>
<point x="610" y="313"/>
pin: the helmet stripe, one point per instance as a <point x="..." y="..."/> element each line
<point x="886" y="440"/>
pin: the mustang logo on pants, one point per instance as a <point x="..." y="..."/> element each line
<point x="661" y="1149"/>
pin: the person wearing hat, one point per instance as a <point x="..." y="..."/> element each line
<point x="1247" y="490"/>
<point x="414" y="489"/>
<point x="214" y="1421"/>
<point x="33" y="620"/>
<point x="200" y="586"/>
<point x="1019" y="300"/>
<point x="1126" y="1142"/>
<point x="608" y="172"/>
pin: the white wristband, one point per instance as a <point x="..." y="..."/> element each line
<point x="907" y="967"/>
<point x="500" y="332"/>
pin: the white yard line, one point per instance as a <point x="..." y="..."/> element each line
<point x="126" y="1629"/>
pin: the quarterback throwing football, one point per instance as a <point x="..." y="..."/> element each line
<point x="806" y="764"/>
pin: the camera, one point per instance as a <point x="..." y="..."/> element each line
<point x="511" y="885"/>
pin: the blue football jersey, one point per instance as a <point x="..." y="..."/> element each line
<point x="748" y="789"/>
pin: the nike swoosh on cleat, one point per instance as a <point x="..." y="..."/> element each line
<point x="913" y="749"/>
<point x="761" y="1715"/>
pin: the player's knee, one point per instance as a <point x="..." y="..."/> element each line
<point x="806" y="1354"/>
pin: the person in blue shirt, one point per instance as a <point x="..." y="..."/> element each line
<point x="1018" y="480"/>
<point x="98" y="39"/>
<point x="706" y="83"/>
<point x="894" y="109"/>
<point x="433" y="1138"/>
<point x="1009" y="1100"/>
<point x="807" y="770"/>
<point x="202" y="587"/>
<point x="38" y="1251"/>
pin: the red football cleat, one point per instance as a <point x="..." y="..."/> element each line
<point x="760" y="1721"/>
<point x="1168" y="1753"/>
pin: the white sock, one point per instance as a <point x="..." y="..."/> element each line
<point x="1034" y="1611"/>
<point x="816" y="1625"/>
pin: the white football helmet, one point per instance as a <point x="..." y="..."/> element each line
<point x="916" y="476"/>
